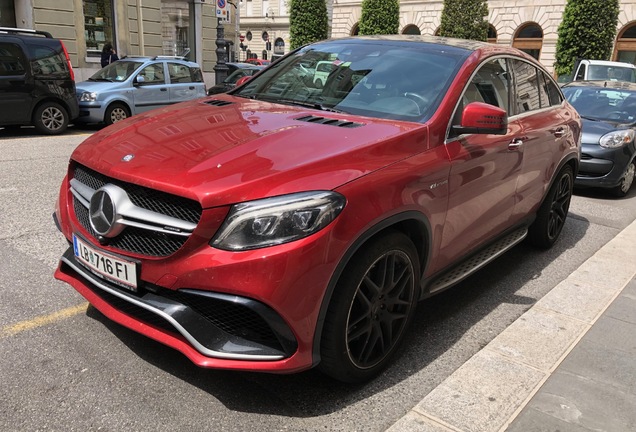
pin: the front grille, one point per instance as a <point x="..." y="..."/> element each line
<point x="133" y="239"/>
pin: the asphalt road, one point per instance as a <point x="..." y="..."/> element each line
<point x="64" y="367"/>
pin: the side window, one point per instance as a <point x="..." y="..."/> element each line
<point x="491" y="84"/>
<point x="552" y="91"/>
<point x="153" y="74"/>
<point x="527" y="87"/>
<point x="46" y="61"/>
<point x="196" y="74"/>
<point x="12" y="61"/>
<point x="580" y="75"/>
<point x="179" y="73"/>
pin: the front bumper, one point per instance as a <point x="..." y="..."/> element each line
<point x="601" y="167"/>
<point x="91" y="113"/>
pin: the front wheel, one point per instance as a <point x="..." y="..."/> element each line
<point x="50" y="118"/>
<point x="545" y="230"/>
<point x="115" y="113"/>
<point x="371" y="307"/>
<point x="626" y="181"/>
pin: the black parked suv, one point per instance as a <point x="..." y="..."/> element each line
<point x="37" y="83"/>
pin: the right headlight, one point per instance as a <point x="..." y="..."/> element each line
<point x="272" y="221"/>
<point x="617" y="138"/>
<point x="88" y="97"/>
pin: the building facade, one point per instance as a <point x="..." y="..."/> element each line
<point x="260" y="28"/>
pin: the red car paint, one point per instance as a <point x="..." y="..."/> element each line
<point x="451" y="195"/>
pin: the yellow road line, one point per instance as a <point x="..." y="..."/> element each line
<point x="12" y="330"/>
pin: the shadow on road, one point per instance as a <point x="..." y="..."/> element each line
<point x="439" y="323"/>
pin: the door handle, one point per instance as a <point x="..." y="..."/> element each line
<point x="191" y="87"/>
<point x="559" y="132"/>
<point x="163" y="89"/>
<point x="515" y="144"/>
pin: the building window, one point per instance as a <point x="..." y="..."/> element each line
<point x="7" y="13"/>
<point x="279" y="46"/>
<point x="98" y="25"/>
<point x="492" y="34"/>
<point x="176" y="24"/>
<point x="625" y="50"/>
<point x="411" y="29"/>
<point x="529" y="39"/>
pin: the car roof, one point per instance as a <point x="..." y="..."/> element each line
<point x="620" y="85"/>
<point x="610" y="63"/>
<point x="158" y="58"/>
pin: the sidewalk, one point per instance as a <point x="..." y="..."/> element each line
<point x="567" y="364"/>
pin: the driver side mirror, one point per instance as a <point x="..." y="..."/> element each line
<point x="482" y="118"/>
<point x="139" y="79"/>
<point x="243" y="80"/>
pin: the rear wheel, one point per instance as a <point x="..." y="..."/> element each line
<point x="626" y="181"/>
<point x="372" y="305"/>
<point x="50" y="118"/>
<point x="545" y="230"/>
<point x="116" y="112"/>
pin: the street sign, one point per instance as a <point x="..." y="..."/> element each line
<point x="222" y="9"/>
<point x="241" y="38"/>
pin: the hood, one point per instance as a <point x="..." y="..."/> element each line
<point x="593" y="130"/>
<point x="99" y="86"/>
<point x="222" y="149"/>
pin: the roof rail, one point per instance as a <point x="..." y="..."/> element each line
<point x="11" y="30"/>
<point x="169" y="57"/>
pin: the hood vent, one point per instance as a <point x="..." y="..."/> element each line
<point x="330" y="121"/>
<point x="217" y="102"/>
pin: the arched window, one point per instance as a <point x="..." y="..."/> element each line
<point x="411" y="29"/>
<point x="625" y="49"/>
<point x="437" y="31"/>
<point x="529" y="39"/>
<point x="492" y="34"/>
<point x="279" y="46"/>
<point x="355" y="30"/>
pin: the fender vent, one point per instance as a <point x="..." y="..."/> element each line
<point x="217" y="102"/>
<point x="330" y="121"/>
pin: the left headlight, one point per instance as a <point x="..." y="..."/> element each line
<point x="88" y="97"/>
<point x="273" y="221"/>
<point x="617" y="138"/>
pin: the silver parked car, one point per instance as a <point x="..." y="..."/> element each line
<point x="137" y="84"/>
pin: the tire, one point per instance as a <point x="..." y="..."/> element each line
<point x="626" y="181"/>
<point x="116" y="112"/>
<point x="50" y="118"/>
<point x="372" y="303"/>
<point x="545" y="230"/>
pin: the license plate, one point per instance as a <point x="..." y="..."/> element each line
<point x="104" y="265"/>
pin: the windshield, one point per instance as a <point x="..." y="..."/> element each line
<point x="603" y="103"/>
<point x="611" y="73"/>
<point x="376" y="78"/>
<point x="118" y="71"/>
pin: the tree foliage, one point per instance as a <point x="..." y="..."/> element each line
<point x="308" y="22"/>
<point x="465" y="19"/>
<point x="587" y="31"/>
<point x="379" y="17"/>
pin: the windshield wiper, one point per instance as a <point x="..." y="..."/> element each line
<point x="314" y="105"/>
<point x="590" y="118"/>
<point x="101" y="79"/>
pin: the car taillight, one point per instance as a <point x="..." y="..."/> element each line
<point x="68" y="61"/>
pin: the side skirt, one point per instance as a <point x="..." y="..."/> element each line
<point x="470" y="265"/>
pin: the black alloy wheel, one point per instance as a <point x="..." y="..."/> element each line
<point x="50" y="118"/>
<point x="626" y="180"/>
<point x="552" y="214"/>
<point x="373" y="304"/>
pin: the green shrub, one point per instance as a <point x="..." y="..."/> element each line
<point x="307" y="22"/>
<point x="587" y="31"/>
<point x="465" y="19"/>
<point x="379" y="17"/>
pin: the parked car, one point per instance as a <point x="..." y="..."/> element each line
<point x="608" y="109"/>
<point x="259" y="62"/>
<point x="37" y="83"/>
<point x="230" y="82"/>
<point x="601" y="70"/>
<point x="282" y="226"/>
<point x="137" y="84"/>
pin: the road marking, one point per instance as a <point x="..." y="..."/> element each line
<point x="14" y="329"/>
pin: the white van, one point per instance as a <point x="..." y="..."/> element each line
<point x="601" y="70"/>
